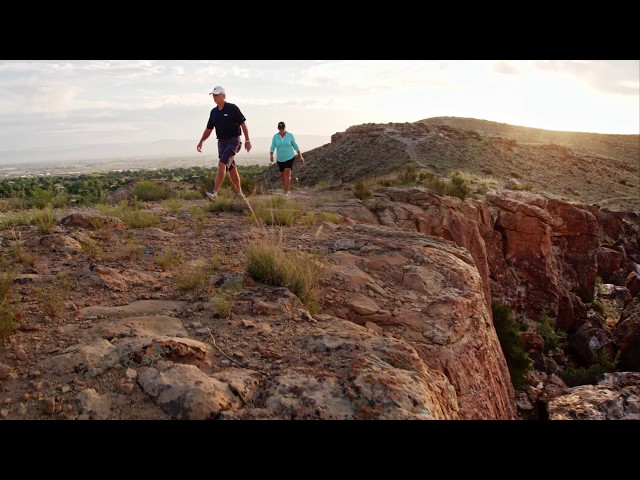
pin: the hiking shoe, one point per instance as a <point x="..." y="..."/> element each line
<point x="287" y="193"/>
<point x="240" y="195"/>
<point x="211" y="195"/>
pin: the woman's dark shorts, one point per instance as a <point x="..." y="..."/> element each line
<point x="227" y="150"/>
<point x="287" y="164"/>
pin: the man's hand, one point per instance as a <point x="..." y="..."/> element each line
<point x="199" y="147"/>
<point x="247" y="146"/>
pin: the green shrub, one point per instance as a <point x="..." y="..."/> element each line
<point x="91" y="248"/>
<point x="40" y="198"/>
<point x="44" y="219"/>
<point x="315" y="218"/>
<point x="546" y="329"/>
<point x="14" y="220"/>
<point x="458" y="187"/>
<point x="224" y="301"/>
<point x="169" y="259"/>
<point x="52" y="297"/>
<point x="147" y="190"/>
<point x="191" y="278"/>
<point x="574" y="376"/>
<point x="361" y="191"/>
<point x="584" y="293"/>
<point x="197" y="213"/>
<point x="130" y="215"/>
<point x="189" y="195"/>
<point x="598" y="307"/>
<point x="426" y="176"/>
<point x="409" y="176"/>
<point x="512" y="345"/>
<point x="248" y="185"/>
<point x="173" y="204"/>
<point x="435" y="184"/>
<point x="276" y="210"/>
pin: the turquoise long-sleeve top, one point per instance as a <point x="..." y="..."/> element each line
<point x="286" y="146"/>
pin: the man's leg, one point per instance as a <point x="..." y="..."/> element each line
<point x="222" y="169"/>
<point x="235" y="178"/>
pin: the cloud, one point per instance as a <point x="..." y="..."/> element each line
<point x="621" y="77"/>
<point x="506" y="68"/>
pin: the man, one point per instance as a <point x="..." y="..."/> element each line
<point x="227" y="119"/>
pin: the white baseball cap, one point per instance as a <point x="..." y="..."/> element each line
<point x="216" y="90"/>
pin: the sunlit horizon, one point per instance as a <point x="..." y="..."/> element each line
<point x="57" y="103"/>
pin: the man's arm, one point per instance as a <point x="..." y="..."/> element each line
<point x="245" y="130"/>
<point x="205" y="135"/>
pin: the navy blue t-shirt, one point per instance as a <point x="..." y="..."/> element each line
<point x="226" y="121"/>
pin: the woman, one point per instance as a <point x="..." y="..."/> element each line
<point x="285" y="143"/>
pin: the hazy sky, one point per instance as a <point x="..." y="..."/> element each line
<point x="51" y="103"/>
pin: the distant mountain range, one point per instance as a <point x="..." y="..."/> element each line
<point x="164" y="148"/>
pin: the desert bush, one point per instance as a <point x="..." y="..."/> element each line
<point x="8" y="310"/>
<point x="173" y="204"/>
<point x="458" y="187"/>
<point x="276" y="210"/>
<point x="148" y="190"/>
<point x="7" y="277"/>
<point x="168" y="259"/>
<point x="224" y="300"/>
<point x="409" y="176"/>
<point x="197" y="213"/>
<point x="513" y="348"/>
<point x="189" y="195"/>
<point x="434" y="184"/>
<point x="91" y="248"/>
<point x="60" y="200"/>
<point x="191" y="278"/>
<point x="315" y="218"/>
<point x="362" y="191"/>
<point x="8" y="322"/>
<point x="301" y="273"/>
<point x="14" y="220"/>
<point x="248" y="185"/>
<point x="130" y="214"/>
<point x="103" y="227"/>
<point x="45" y="219"/>
<point x="132" y="250"/>
<point x="40" y="198"/>
<point x="222" y="204"/>
<point x="52" y="297"/>
<point x="171" y="224"/>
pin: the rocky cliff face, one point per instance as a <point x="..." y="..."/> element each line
<point x="405" y="330"/>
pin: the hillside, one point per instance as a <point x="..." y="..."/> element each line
<point x="583" y="168"/>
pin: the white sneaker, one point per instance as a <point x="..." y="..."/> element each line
<point x="211" y="195"/>
<point x="288" y="192"/>
<point x="240" y="195"/>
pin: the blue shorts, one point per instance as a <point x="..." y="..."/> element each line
<point x="227" y="150"/>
